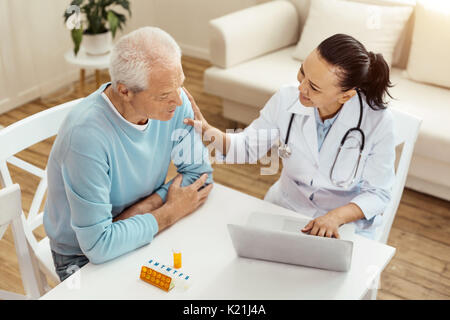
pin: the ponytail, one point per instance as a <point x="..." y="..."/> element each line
<point x="377" y="82"/>
<point x="359" y="68"/>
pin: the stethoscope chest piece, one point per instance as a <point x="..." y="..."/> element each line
<point x="284" y="151"/>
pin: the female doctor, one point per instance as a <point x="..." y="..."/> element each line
<point x="336" y="138"/>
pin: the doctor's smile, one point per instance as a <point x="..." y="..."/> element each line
<point x="334" y="134"/>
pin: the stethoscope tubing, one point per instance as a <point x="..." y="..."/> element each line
<point x="344" y="138"/>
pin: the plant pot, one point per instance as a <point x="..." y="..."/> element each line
<point x="97" y="44"/>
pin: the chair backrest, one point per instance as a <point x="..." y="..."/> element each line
<point x="406" y="128"/>
<point x="20" y="136"/>
<point x="10" y="214"/>
<point x="10" y="204"/>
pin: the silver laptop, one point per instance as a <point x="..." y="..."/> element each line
<point x="279" y="238"/>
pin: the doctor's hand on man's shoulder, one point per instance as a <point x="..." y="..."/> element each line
<point x="199" y="122"/>
<point x="181" y="201"/>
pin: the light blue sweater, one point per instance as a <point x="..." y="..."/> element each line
<point x="100" y="165"/>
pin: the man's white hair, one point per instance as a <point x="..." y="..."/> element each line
<point x="136" y="54"/>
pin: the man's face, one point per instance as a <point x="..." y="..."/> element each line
<point x="163" y="95"/>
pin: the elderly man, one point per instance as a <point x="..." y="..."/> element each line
<point x="107" y="168"/>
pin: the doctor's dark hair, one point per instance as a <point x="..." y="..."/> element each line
<point x="359" y="68"/>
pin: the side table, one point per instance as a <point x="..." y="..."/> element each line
<point x="88" y="62"/>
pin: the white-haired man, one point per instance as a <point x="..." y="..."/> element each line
<point x="107" y="168"/>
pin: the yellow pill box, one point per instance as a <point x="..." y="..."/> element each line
<point x="179" y="278"/>
<point x="156" y="278"/>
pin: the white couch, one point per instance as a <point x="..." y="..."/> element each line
<point x="251" y="52"/>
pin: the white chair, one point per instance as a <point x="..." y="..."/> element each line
<point x="10" y="214"/>
<point x="406" y="128"/>
<point x="13" y="139"/>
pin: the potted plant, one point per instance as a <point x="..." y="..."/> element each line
<point x="89" y="21"/>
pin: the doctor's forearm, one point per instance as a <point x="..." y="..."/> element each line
<point x="348" y="213"/>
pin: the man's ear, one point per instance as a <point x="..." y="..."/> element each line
<point x="124" y="92"/>
<point x="347" y="95"/>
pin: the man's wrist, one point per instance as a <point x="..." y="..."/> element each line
<point x="163" y="216"/>
<point x="153" y="202"/>
<point x="147" y="205"/>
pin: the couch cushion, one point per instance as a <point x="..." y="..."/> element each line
<point x="430" y="51"/>
<point x="401" y="51"/>
<point x="377" y="27"/>
<point x="254" y="82"/>
<point x="430" y="103"/>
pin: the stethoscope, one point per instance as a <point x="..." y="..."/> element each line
<point x="284" y="151"/>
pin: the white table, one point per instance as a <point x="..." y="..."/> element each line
<point x="88" y="62"/>
<point x="216" y="270"/>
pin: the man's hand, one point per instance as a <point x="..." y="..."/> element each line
<point x="328" y="225"/>
<point x="181" y="201"/>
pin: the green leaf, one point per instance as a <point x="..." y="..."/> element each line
<point x="77" y="36"/>
<point x="122" y="18"/>
<point x="97" y="15"/>
<point x="124" y="4"/>
<point x="113" y="22"/>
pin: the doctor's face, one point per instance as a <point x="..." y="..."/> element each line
<point x="319" y="84"/>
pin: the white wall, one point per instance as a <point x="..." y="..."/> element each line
<point x="33" y="39"/>
<point x="32" y="44"/>
<point x="187" y="20"/>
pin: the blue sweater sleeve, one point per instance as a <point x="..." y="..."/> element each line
<point x="87" y="184"/>
<point x="189" y="154"/>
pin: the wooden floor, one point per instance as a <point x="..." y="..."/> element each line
<point x="420" y="268"/>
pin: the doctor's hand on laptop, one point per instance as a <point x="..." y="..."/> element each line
<point x="328" y="224"/>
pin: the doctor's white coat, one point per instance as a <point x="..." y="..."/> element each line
<point x="307" y="171"/>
